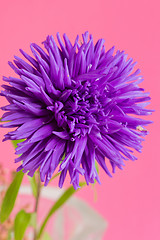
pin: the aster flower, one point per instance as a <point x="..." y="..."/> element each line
<point x="74" y="105"/>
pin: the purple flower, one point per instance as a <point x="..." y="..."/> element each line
<point x="74" y="106"/>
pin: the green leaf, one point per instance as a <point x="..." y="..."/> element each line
<point x="9" y="237"/>
<point x="33" y="220"/>
<point x="97" y="168"/>
<point x="46" y="236"/>
<point x="65" y="196"/>
<point x="15" y="142"/>
<point x="10" y="197"/>
<point x="21" y="223"/>
<point x="96" y="165"/>
<point x="63" y="156"/>
<point x="33" y="185"/>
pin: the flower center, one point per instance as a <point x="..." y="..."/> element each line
<point x="78" y="109"/>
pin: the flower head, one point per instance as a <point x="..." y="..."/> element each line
<point x="74" y="106"/>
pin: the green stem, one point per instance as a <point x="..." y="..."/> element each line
<point x="65" y="196"/>
<point x="37" y="203"/>
<point x="56" y="175"/>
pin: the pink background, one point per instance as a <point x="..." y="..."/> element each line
<point x="130" y="201"/>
